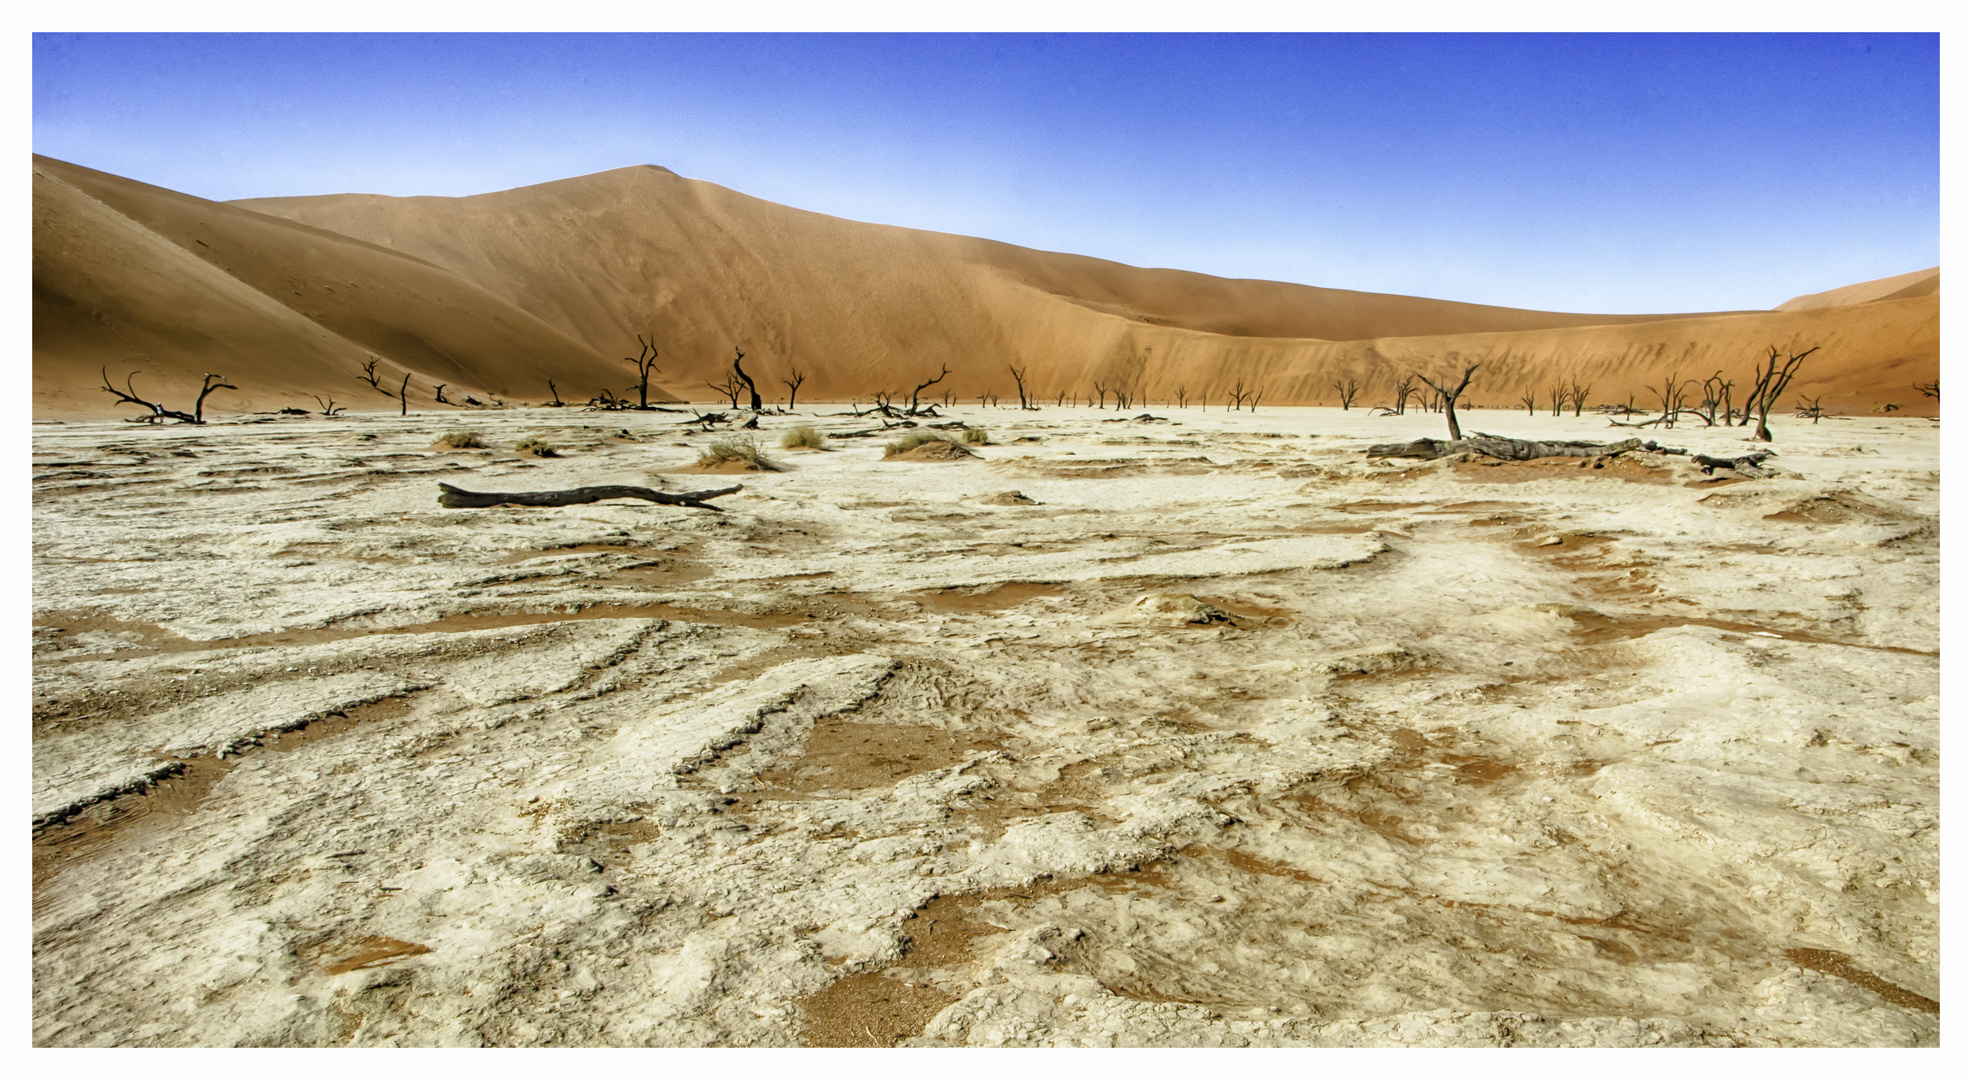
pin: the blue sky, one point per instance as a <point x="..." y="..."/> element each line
<point x="1607" y="173"/>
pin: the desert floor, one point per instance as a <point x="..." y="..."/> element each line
<point x="1216" y="733"/>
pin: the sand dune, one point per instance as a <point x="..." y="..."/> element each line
<point x="505" y="290"/>
<point x="1898" y="287"/>
<point x="141" y="278"/>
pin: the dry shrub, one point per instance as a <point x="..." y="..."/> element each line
<point x="975" y="435"/>
<point x="536" y="447"/>
<point x="739" y="451"/>
<point x="462" y="440"/>
<point x="924" y="444"/>
<point x="802" y="435"/>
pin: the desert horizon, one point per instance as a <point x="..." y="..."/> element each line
<point x="627" y="610"/>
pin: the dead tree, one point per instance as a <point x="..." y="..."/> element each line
<point x="557" y="403"/>
<point x="1769" y="383"/>
<point x="438" y="394"/>
<point x="1809" y="410"/>
<point x="1347" y="389"/>
<point x="753" y="392"/>
<point x="730" y="389"/>
<point x="159" y="414"/>
<point x="1020" y="386"/>
<point x="1450" y="397"/>
<point x="1059" y="397"/>
<point x="370" y="376"/>
<point x="793" y="383"/>
<point x="943" y="371"/>
<point x="460" y="499"/>
<point x="1578" y="395"/>
<point x="1102" y="395"/>
<point x="403" y="403"/>
<point x="1929" y="389"/>
<point x="1527" y="399"/>
<point x="329" y="407"/>
<point x="646" y="363"/>
<point x="1712" y="393"/>
<point x="1557" y="397"/>
<point x="1181" y="396"/>
<point x="949" y="397"/>
<point x="1253" y="402"/>
<point x="1240" y="396"/>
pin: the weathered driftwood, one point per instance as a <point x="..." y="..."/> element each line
<point x="1504" y="449"/>
<point x="461" y="499"/>
<point x="1493" y="446"/>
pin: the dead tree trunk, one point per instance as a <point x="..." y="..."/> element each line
<point x="555" y="393"/>
<point x="1450" y="397"/>
<point x="793" y="383"/>
<point x="943" y="371"/>
<point x="752" y="391"/>
<point x="1769" y="383"/>
<point x="1020" y="385"/>
<point x="159" y="414"/>
<point x="1347" y="391"/>
<point x="1578" y="395"/>
<point x="646" y="361"/>
<point x="461" y="499"/>
<point x="370" y="376"/>
<point x="403" y="403"/>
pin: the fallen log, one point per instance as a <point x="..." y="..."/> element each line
<point x="1494" y="446"/>
<point x="460" y="499"/>
<point x="1505" y="449"/>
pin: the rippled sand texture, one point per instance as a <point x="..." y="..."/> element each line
<point x="1215" y="733"/>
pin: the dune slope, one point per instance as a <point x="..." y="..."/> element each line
<point x="502" y="292"/>
<point x="142" y="278"/>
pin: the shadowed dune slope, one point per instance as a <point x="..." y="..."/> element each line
<point x="140" y="278"/>
<point x="562" y="276"/>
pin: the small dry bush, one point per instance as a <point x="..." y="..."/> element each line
<point x="802" y="435"/>
<point x="945" y="446"/>
<point x="736" y="451"/>
<point x="975" y="435"/>
<point x="536" y="447"/>
<point x="462" y="440"/>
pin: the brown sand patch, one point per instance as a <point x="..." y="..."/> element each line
<point x="871" y="1009"/>
<point x="90" y="831"/>
<point x="844" y="756"/>
<point x="991" y="598"/>
<point x="162" y="801"/>
<point x="1596" y="628"/>
<point x="367" y="953"/>
<point x="1840" y="966"/>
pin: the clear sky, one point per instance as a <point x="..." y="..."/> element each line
<point x="1605" y="173"/>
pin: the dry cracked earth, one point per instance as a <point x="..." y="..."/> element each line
<point x="1206" y="730"/>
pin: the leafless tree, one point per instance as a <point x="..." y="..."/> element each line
<point x="752" y="391"/>
<point x="403" y="403"/>
<point x="793" y="383"/>
<point x="159" y="414"/>
<point x="1929" y="389"/>
<point x="943" y="371"/>
<point x="1102" y="395"/>
<point x="1449" y="397"/>
<point x="329" y="407"/>
<point x="1578" y="395"/>
<point x="1020" y="385"/>
<point x="1527" y="399"/>
<point x="370" y="375"/>
<point x="1769" y="383"/>
<point x="1347" y="389"/>
<point x="1059" y="397"/>
<point x="1181" y="395"/>
<point x="646" y="364"/>
<point x="1712" y="393"/>
<point x="730" y="389"/>
<point x="438" y="394"/>
<point x="1239" y="396"/>
<point x="557" y="403"/>
<point x="1810" y="410"/>
<point x="1557" y="396"/>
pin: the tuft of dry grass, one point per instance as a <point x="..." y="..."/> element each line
<point x="975" y="435"/>
<point x="536" y="447"/>
<point x="462" y="440"/>
<point x="802" y="435"/>
<point x="911" y="442"/>
<point x="740" y="451"/>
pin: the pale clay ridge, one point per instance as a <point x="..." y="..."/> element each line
<point x="1440" y="784"/>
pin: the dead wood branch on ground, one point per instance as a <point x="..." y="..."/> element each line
<point x="1506" y="449"/>
<point x="461" y="499"/>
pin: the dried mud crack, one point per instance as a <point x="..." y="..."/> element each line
<point x="1213" y="736"/>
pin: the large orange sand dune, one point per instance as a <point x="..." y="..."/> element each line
<point x="498" y="293"/>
